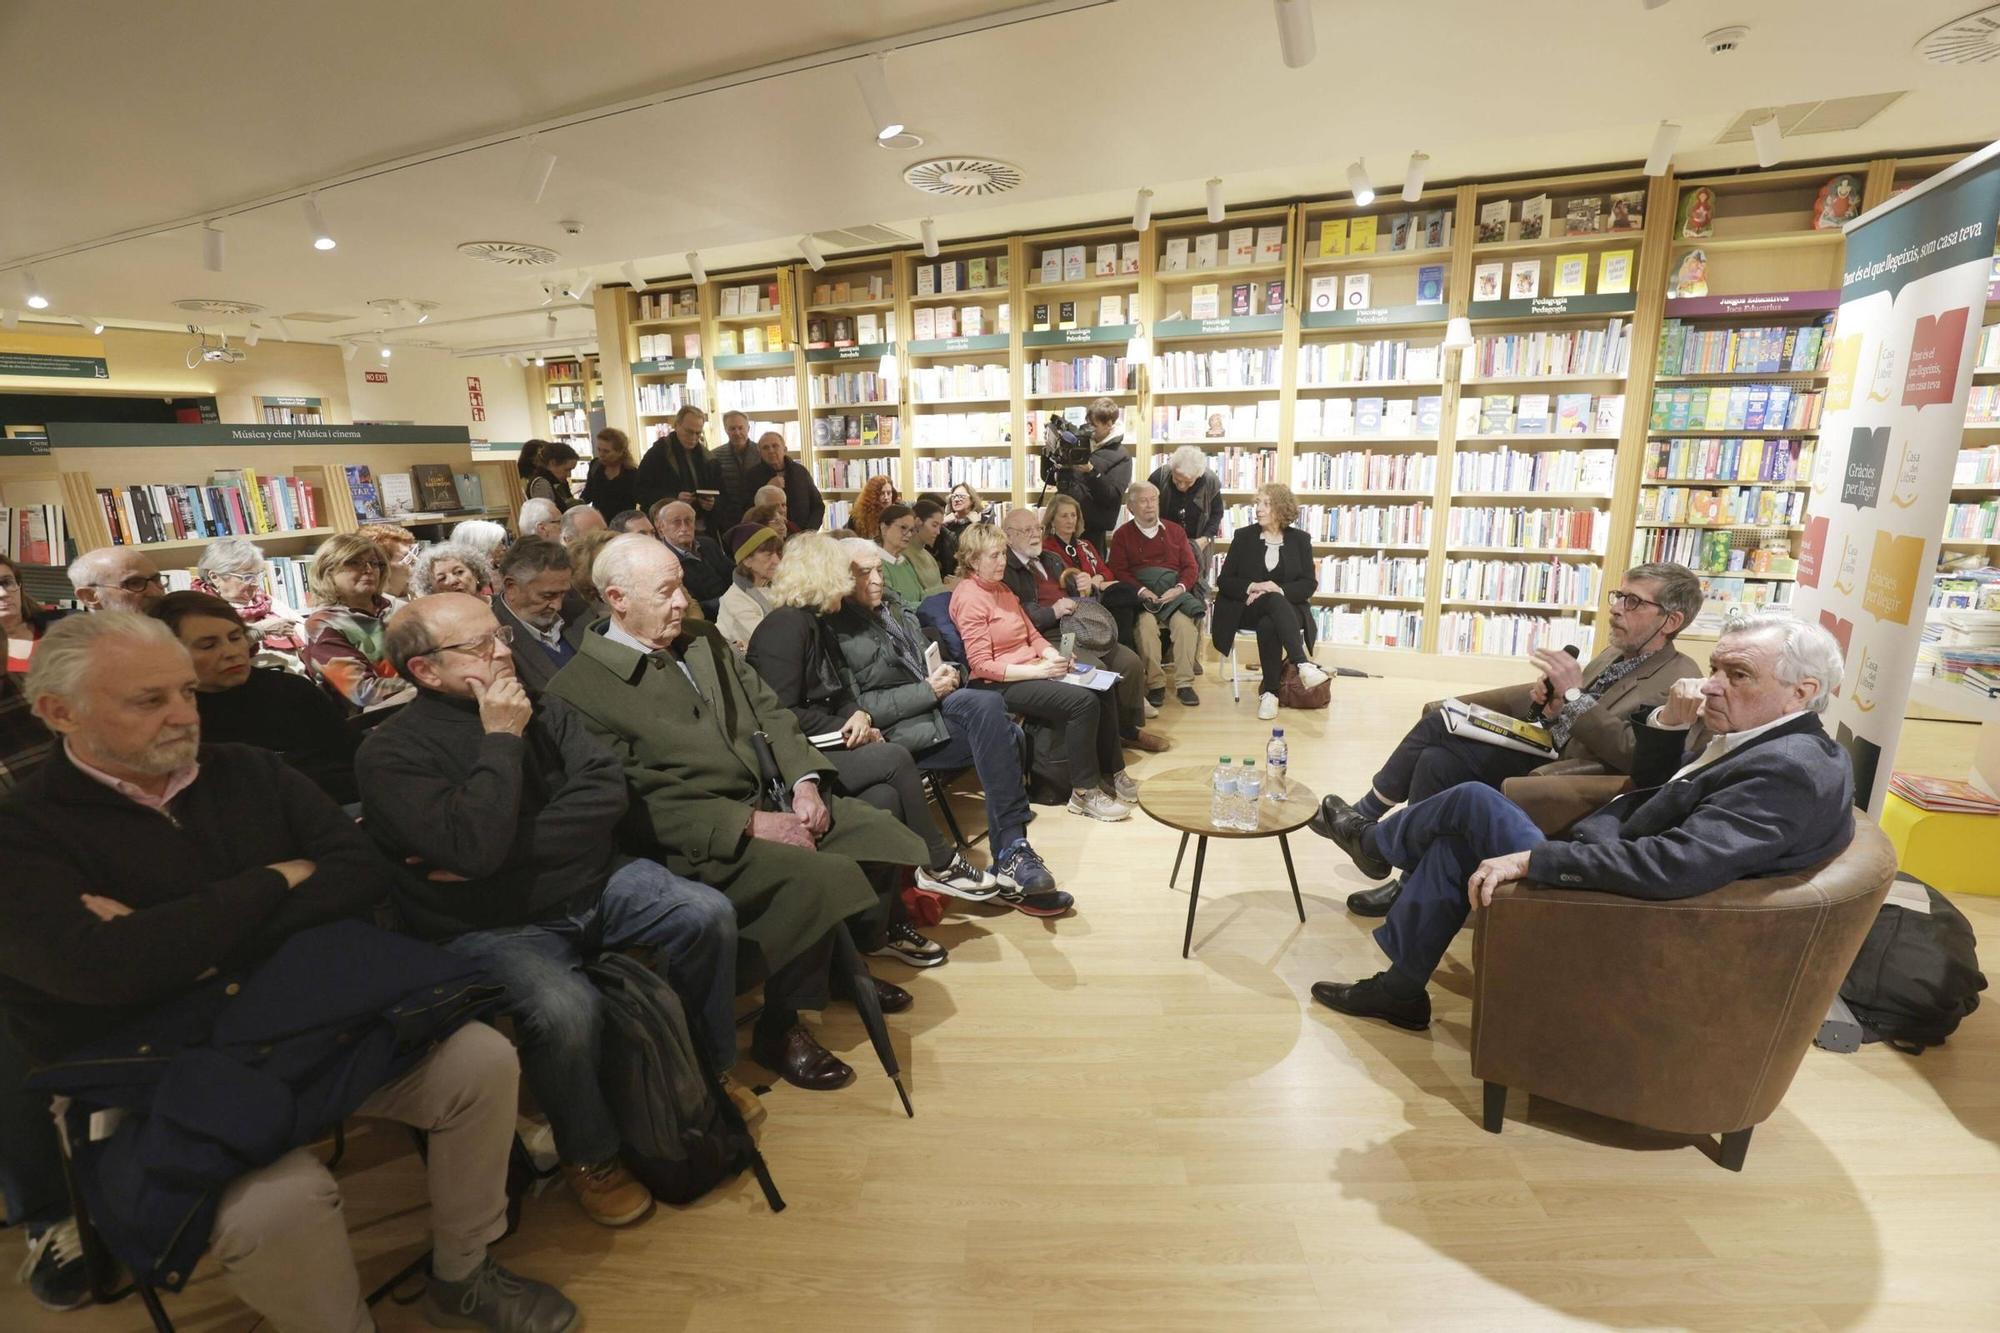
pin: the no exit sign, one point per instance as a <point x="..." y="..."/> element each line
<point x="375" y="376"/>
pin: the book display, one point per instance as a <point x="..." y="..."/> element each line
<point x="570" y="392"/>
<point x="853" y="384"/>
<point x="663" y="353"/>
<point x="963" y="367"/>
<point x="1084" y="295"/>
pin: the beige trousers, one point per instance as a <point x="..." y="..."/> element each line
<point x="1182" y="632"/>
<point x="280" y="1235"/>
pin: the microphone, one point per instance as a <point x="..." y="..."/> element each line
<point x="1549" y="686"/>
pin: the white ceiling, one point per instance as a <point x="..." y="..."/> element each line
<point x="121" y="117"/>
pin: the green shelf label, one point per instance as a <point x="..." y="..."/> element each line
<point x="1216" y="328"/>
<point x="1103" y="333"/>
<point x="984" y="342"/>
<point x="288" y="402"/>
<point x="24" y="448"/>
<point x="1614" y="303"/>
<point x="753" y="360"/>
<point x="1377" y="316"/>
<point x="125" y="434"/>
<point x="859" y="352"/>
<point x="671" y="365"/>
<point x="45" y="366"/>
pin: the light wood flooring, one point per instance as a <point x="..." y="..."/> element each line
<point x="1108" y="1137"/>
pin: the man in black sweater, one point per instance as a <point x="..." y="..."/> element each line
<point x="1758" y="789"/>
<point x="676" y="467"/>
<point x="141" y="862"/>
<point x="504" y="812"/>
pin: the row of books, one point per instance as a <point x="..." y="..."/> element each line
<point x="1943" y="794"/>
<point x="755" y="393"/>
<point x="1988" y="356"/>
<point x="1721" y="554"/>
<point x="1724" y="599"/>
<point x="1208" y="249"/>
<point x="1342" y="418"/>
<point x="1584" y="215"/>
<point x="1244" y="469"/>
<point x="839" y="430"/>
<point x="1392" y="233"/>
<point x="1683" y="546"/>
<point x="1526" y="471"/>
<point x="1356" y="291"/>
<point x="1364" y="471"/>
<point x="284" y="580"/>
<point x="1522" y="280"/>
<point x="664" y="398"/>
<point x="1368" y="626"/>
<point x="935" y="428"/>
<point x="563" y="372"/>
<point x="671" y="305"/>
<point x="975" y="274"/>
<point x="1737" y="506"/>
<point x="35" y="534"/>
<point x="750" y="298"/>
<point x="756" y="338"/>
<point x="565" y="395"/>
<point x="969" y="321"/>
<point x="1982" y="405"/>
<point x="1527" y="528"/>
<point x="426" y="488"/>
<point x="981" y="472"/>
<point x="569" y="422"/>
<point x="1074" y="263"/>
<point x="1541" y="414"/>
<point x="1386" y="525"/>
<point x="933" y="383"/>
<point x="839" y="331"/>
<point x="1245" y="298"/>
<point x="667" y="346"/>
<point x="1219" y="368"/>
<point x="234" y="503"/>
<point x="1736" y="407"/>
<point x="853" y="388"/>
<point x="1510" y="633"/>
<point x="1552" y="583"/>
<point x="1550" y="352"/>
<point x="1979" y="522"/>
<point x="1964" y="590"/>
<point x="848" y="473"/>
<point x="1322" y="363"/>
<point x="1083" y="374"/>
<point x="1729" y="459"/>
<point x="1977" y="467"/>
<point x="1687" y="349"/>
<point x="1111" y="311"/>
<point x="1373" y="576"/>
<point x="875" y="286"/>
<point x="280" y="414"/>
<point x="1182" y="423"/>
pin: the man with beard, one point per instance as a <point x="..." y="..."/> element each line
<point x="536" y="601"/>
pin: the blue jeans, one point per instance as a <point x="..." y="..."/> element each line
<point x="1438" y="842"/>
<point x="983" y="736"/>
<point x="31" y="1177"/>
<point x="558" y="1019"/>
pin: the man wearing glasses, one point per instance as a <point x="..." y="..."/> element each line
<point x="1587" y="709"/>
<point x="502" y="812"/>
<point x="116" y="578"/>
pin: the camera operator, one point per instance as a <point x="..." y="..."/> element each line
<point x="1098" y="483"/>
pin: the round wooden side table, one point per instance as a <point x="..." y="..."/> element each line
<point x="1180" y="798"/>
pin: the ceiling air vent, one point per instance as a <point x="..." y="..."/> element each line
<point x="867" y="235"/>
<point x="1971" y="40"/>
<point x="1837" y="113"/>
<point x="212" y="306"/>
<point x="315" y="317"/>
<point x="962" y="177"/>
<point x="513" y="254"/>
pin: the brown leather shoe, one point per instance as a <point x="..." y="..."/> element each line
<point x="1152" y="742"/>
<point x="893" y="998"/>
<point x="803" y="1062"/>
<point x="611" y="1196"/>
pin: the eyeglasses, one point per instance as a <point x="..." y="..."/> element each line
<point x="1625" y="601"/>
<point x="481" y="647"/>
<point x="137" y="583"/>
<point x="367" y="562"/>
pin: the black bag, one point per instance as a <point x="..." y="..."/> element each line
<point x="681" y="1136"/>
<point x="1048" y="764"/>
<point x="1916" y="977"/>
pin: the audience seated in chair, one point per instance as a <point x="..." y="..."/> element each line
<point x="926" y="549"/>
<point x="398" y="546"/>
<point x="116" y="578"/>
<point x="122" y="927"/>
<point x="1587" y="709"/>
<point x="503" y="813"/>
<point x="579" y="522"/>
<point x="233" y="568"/>
<point x="1006" y="653"/>
<point x="451" y="567"/>
<point x="757" y="549"/>
<point x="343" y="649"/>
<point x="705" y="569"/>
<point x="1757" y="788"/>
<point x="535" y="588"/>
<point x="1064" y="545"/>
<point x="679" y="709"/>
<point x="1266" y="585"/>
<point x="1153" y="557"/>
<point x="540" y="518"/>
<point x="632" y="520"/>
<point x="245" y="704"/>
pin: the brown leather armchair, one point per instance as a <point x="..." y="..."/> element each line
<point x="1689" y="1016"/>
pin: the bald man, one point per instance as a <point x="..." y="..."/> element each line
<point x="116" y="578"/>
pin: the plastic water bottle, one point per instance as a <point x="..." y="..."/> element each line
<point x="1249" y="785"/>
<point x="1222" y="795"/>
<point x="1277" y="762"/>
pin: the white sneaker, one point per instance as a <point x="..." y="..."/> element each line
<point x="1311" y="676"/>
<point x="1152" y="709"/>
<point x="1267" y="705"/>
<point x="1096" y="805"/>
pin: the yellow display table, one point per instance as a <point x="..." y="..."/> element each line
<point x="1952" y="853"/>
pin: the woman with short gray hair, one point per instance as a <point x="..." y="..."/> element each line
<point x="451" y="567"/>
<point x="233" y="569"/>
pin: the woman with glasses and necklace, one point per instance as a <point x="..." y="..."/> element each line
<point x="344" y="649"/>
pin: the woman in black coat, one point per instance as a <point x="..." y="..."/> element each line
<point x="1267" y="585"/>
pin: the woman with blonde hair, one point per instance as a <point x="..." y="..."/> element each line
<point x="877" y="494"/>
<point x="344" y="649"/>
<point x="963" y="509"/>
<point x="451" y="567"/>
<point x="1266" y="585"/>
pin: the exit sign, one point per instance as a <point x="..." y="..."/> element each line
<point x="375" y="376"/>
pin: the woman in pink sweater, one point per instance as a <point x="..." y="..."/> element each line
<point x="1005" y="653"/>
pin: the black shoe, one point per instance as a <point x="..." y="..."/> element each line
<point x="1376" y="901"/>
<point x="1188" y="697"/>
<point x="1344" y="825"/>
<point x="1369" y="998"/>
<point x="1156" y="697"/>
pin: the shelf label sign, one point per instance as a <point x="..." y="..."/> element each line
<point x="46" y="356"/>
<point x="1757" y="303"/>
<point x="1918" y="272"/>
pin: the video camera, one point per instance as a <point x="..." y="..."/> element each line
<point x="1065" y="445"/>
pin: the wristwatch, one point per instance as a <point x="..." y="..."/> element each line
<point x="1572" y="694"/>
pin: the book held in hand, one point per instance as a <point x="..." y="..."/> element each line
<point x="1478" y="723"/>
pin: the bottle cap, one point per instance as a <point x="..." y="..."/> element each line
<point x="1277" y="731"/>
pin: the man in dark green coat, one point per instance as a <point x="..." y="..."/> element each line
<point x="679" y="707"/>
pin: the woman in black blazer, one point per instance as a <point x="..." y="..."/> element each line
<point x="1266" y="585"/>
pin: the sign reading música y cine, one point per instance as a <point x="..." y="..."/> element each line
<point x="1898" y="368"/>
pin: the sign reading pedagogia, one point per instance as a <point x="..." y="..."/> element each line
<point x="122" y="434"/>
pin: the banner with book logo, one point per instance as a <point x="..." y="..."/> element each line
<point x="1911" y="303"/>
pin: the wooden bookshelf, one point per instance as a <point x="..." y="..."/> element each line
<point x="963" y="413"/>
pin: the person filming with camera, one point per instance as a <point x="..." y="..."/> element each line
<point x="1096" y="480"/>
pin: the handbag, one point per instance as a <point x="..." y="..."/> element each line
<point x="1095" y="628"/>
<point x="1293" y="694"/>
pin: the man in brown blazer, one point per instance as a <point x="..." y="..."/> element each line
<point x="1587" y="708"/>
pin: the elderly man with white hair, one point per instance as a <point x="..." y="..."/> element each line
<point x="579" y="520"/>
<point x="705" y="570"/>
<point x="482" y="535"/>
<point x="116" y="578"/>
<point x="1734" y="778"/>
<point x="540" y="518"/>
<point x="1191" y="495"/>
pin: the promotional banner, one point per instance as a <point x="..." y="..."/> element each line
<point x="1899" y="367"/>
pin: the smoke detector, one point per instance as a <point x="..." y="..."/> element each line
<point x="1971" y="40"/>
<point x="1726" y="41"/>
<point x="212" y="306"/>
<point x="513" y="254"/>
<point x="962" y="177"/>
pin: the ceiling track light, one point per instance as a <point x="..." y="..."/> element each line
<point x="1295" y="32"/>
<point x="540" y="166"/>
<point x="212" y="244"/>
<point x="1357" y="181"/>
<point x="1665" y="140"/>
<point x="250" y="338"/>
<point x="1214" y="198"/>
<point x="350" y="351"/>
<point x="322" y="239"/>
<point x="284" y="329"/>
<point x="871" y="73"/>
<point x="1142" y="210"/>
<point x="92" y="325"/>
<point x="929" y="229"/>
<point x="632" y="278"/>
<point x="1770" y="141"/>
<point x="541" y="360"/>
<point x="32" y="294"/>
<point x="695" y="269"/>
<point x="814" y="255"/>
<point x="552" y="323"/>
<point x="1413" y="177"/>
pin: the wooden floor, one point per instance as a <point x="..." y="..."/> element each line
<point x="1108" y="1137"/>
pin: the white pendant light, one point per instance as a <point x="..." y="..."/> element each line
<point x="1215" y="198"/>
<point x="322" y="239"/>
<point x="10" y="319"/>
<point x="541" y="360"/>
<point x="552" y="323"/>
<point x="695" y="269"/>
<point x="212" y="245"/>
<point x="871" y="72"/>
<point x="1457" y="334"/>
<point x="1357" y="181"/>
<point x="92" y="325"/>
<point x="250" y="338"/>
<point x="1295" y="32"/>
<point x="1769" y="140"/>
<point x="1142" y="210"/>
<point x="632" y="278"/>
<point x="1665" y="140"/>
<point x="32" y="294"/>
<point x="810" y="249"/>
<point x="1413" y="177"/>
<point x="929" y="229"/>
<point x="541" y="165"/>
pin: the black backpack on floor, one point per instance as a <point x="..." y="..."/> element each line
<point x="1047" y="775"/>
<point x="1917" y="975"/>
<point x="682" y="1136"/>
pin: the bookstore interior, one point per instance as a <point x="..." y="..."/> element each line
<point x="1639" y="283"/>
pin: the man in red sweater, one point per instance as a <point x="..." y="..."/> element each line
<point x="1156" y="559"/>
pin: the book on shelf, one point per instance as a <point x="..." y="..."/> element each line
<point x="1496" y="413"/>
<point x="1534" y="217"/>
<point x="1628" y="210"/>
<point x="1583" y="215"/>
<point x="1110" y="310"/>
<point x="1429" y="413"/>
<point x="471" y="492"/>
<point x="1572" y="414"/>
<point x="1572" y="273"/>
<point x="1239" y="299"/>
<point x="1355" y="290"/>
<point x="1401" y="232"/>
<point x="972" y="321"/>
<point x="1430" y="284"/>
<point x="1040" y="323"/>
<point x="923" y="327"/>
<point x="1332" y="237"/>
<point x="1270" y="244"/>
<point x="1524" y="280"/>
<point x="1531" y="417"/>
<point x="1368" y="416"/>
<point x="1175" y="259"/>
<point x="1065" y="314"/>
<point x="950" y="277"/>
<point x="1614" y="272"/>
<point x="399" y="495"/>
<point x="1399" y="416"/>
<point x="1437" y="229"/>
<point x="1488" y="281"/>
<point x="1106" y="265"/>
<point x="1204" y="301"/>
<point x="1610" y="414"/>
<point x="1324" y="293"/>
<point x="1052" y="262"/>
<point x="435" y="487"/>
<point x="731" y="302"/>
<point x="1073" y="260"/>
<point x="1128" y="260"/>
<point x="34" y="534"/>
<point x="927" y="280"/>
<point x="1242" y="245"/>
<point x="1274" y="296"/>
<point x="1361" y="235"/>
<point x="361" y="486"/>
<point x="1493" y="218"/>
<point x="1205" y="248"/>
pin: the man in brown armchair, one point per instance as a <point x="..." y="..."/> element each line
<point x="1587" y="708"/>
